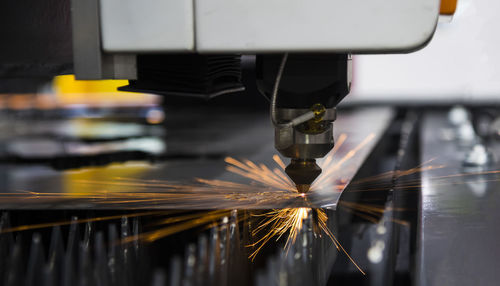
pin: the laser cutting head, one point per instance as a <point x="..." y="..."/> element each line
<point x="304" y="143"/>
<point x="309" y="89"/>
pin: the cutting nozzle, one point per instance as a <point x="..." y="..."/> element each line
<point x="303" y="172"/>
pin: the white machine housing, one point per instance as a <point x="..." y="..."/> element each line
<point x="267" y="25"/>
<point x="243" y="26"/>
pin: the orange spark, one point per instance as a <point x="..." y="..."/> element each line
<point x="289" y="221"/>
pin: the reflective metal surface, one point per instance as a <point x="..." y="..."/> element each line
<point x="459" y="212"/>
<point x="190" y="155"/>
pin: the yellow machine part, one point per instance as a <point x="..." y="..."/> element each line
<point x="70" y="91"/>
<point x="448" y="7"/>
<point x="68" y="84"/>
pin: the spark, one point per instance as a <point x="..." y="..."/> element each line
<point x="289" y="222"/>
<point x="281" y="221"/>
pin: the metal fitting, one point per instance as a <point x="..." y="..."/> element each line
<point x="305" y="141"/>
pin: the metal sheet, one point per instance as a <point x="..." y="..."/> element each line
<point x="459" y="215"/>
<point x="169" y="185"/>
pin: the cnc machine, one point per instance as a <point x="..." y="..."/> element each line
<point x="372" y="126"/>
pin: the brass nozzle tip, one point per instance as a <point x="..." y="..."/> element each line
<point x="303" y="188"/>
<point x="303" y="173"/>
